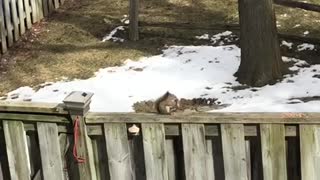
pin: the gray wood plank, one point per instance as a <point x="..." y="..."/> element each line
<point x="310" y="152"/>
<point x="21" y="16"/>
<point x="194" y="151"/>
<point x="34" y="11"/>
<point x="154" y="151"/>
<point x="45" y="7"/>
<point x="216" y="118"/>
<point x="39" y="7"/>
<point x="118" y="151"/>
<point x="17" y="150"/>
<point x="51" y="6"/>
<point x="27" y="10"/>
<point x="9" y="25"/>
<point x="209" y="160"/>
<point x="133" y="17"/>
<point x="2" y="30"/>
<point x="64" y="146"/>
<point x="56" y="4"/>
<point x="50" y="151"/>
<point x="273" y="151"/>
<point x="15" y="20"/>
<point x="234" y="155"/>
<point x="171" y="159"/>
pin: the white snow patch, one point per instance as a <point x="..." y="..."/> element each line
<point x="186" y="71"/>
<point x="297" y="25"/>
<point x="110" y="36"/>
<point x="305" y="46"/>
<point x="306" y="33"/>
<point x="288" y="44"/>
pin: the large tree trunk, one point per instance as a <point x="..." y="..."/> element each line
<point x="260" y="50"/>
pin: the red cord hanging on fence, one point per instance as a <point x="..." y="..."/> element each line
<point x="76" y="133"/>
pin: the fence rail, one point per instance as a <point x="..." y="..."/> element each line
<point x="38" y="141"/>
<point x="16" y="16"/>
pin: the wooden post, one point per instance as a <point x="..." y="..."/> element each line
<point x="133" y="17"/>
<point x="77" y="103"/>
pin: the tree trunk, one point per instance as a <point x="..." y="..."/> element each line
<point x="260" y="50"/>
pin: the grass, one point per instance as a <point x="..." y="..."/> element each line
<point x="68" y="44"/>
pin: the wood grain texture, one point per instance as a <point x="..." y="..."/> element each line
<point x="234" y="154"/>
<point x="27" y="8"/>
<point x="133" y="17"/>
<point x="50" y="151"/>
<point x="154" y="151"/>
<point x="9" y="25"/>
<point x="3" y="31"/>
<point x="194" y="150"/>
<point x="118" y="151"/>
<point x="195" y="118"/>
<point x="21" y="13"/>
<point x="273" y="151"/>
<point x="17" y="150"/>
<point x="310" y="152"/>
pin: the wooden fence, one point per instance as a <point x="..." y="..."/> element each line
<point x="16" y="16"/>
<point x="37" y="142"/>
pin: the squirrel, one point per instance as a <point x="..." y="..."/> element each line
<point x="167" y="103"/>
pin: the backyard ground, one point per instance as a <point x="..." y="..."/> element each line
<point x="69" y="45"/>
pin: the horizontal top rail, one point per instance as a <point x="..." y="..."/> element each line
<point x="28" y="107"/>
<point x="235" y="118"/>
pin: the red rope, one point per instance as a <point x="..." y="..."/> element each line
<point x="76" y="133"/>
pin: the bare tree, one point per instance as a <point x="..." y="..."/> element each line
<point x="260" y="50"/>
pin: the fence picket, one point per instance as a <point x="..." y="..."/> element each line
<point x="50" y="151"/>
<point x="194" y="150"/>
<point x="21" y="17"/>
<point x="154" y="151"/>
<point x="118" y="151"/>
<point x="273" y="151"/>
<point x="17" y="150"/>
<point x="234" y="154"/>
<point x="27" y="8"/>
<point x="310" y="151"/>
<point x="3" y="30"/>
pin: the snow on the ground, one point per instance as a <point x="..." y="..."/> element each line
<point x="188" y="72"/>
<point x="305" y="46"/>
<point x="111" y="35"/>
<point x="288" y="44"/>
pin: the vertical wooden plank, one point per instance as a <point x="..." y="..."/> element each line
<point x="27" y="8"/>
<point x="51" y="6"/>
<point x="273" y="151"/>
<point x="171" y="159"/>
<point x="209" y="160"/>
<point x="56" y="4"/>
<point x="15" y="19"/>
<point x="194" y="151"/>
<point x="248" y="159"/>
<point x="21" y="17"/>
<point x="133" y="17"/>
<point x="64" y="146"/>
<point x="62" y="2"/>
<point x="7" y="15"/>
<point x="39" y="9"/>
<point x="118" y="151"/>
<point x="50" y="151"/>
<point x="45" y="7"/>
<point x="34" y="11"/>
<point x="234" y="154"/>
<point x="17" y="152"/>
<point x="154" y="151"/>
<point x="2" y="30"/>
<point x="310" y="152"/>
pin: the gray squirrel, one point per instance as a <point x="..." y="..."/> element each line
<point x="167" y="103"/>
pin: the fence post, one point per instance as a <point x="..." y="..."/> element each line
<point x="78" y="104"/>
<point x="133" y="18"/>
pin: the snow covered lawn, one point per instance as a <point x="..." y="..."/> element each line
<point x="188" y="72"/>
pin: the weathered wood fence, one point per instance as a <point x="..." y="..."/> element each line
<point x="37" y="142"/>
<point x="16" y="16"/>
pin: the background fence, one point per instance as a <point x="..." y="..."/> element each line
<point x="16" y="16"/>
<point x="37" y="141"/>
